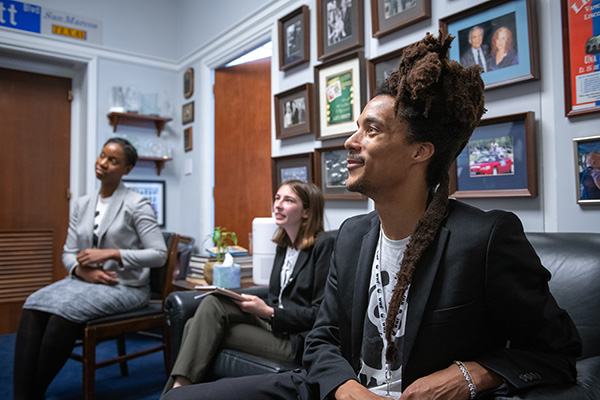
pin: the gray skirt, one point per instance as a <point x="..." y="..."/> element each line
<point x="80" y="301"/>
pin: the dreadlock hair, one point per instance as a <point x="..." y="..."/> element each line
<point x="442" y="102"/>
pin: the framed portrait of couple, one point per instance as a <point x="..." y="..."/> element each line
<point x="293" y="112"/>
<point x="500" y="37"/>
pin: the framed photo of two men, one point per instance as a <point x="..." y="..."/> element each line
<point x="581" y="56"/>
<point x="500" y="36"/>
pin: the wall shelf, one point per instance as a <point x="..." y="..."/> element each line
<point x="141" y="120"/>
<point x="159" y="161"/>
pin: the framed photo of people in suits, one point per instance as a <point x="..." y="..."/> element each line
<point x="294" y="112"/>
<point x="294" y="38"/>
<point x="499" y="36"/>
<point x="500" y="159"/>
<point x="587" y="169"/>
<point x="340" y="27"/>
<point x="154" y="191"/>
<point x="388" y="16"/>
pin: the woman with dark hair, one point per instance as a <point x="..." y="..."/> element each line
<point x="502" y="54"/>
<point x="275" y="328"/>
<point x="112" y="239"/>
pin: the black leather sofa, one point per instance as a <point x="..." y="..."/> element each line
<point x="572" y="258"/>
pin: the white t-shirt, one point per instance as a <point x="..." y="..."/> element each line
<point x="373" y="364"/>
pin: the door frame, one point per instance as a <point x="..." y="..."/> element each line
<point x="83" y="74"/>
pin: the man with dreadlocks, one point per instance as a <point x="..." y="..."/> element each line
<point x="425" y="296"/>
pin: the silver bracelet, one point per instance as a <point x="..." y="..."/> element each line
<point x="467" y="375"/>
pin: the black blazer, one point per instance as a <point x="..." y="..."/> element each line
<point x="479" y="286"/>
<point x="304" y="292"/>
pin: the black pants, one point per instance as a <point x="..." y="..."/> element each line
<point x="43" y="345"/>
<point x="282" y="386"/>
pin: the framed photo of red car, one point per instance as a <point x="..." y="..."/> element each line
<point x="587" y="169"/>
<point x="331" y="173"/>
<point x="581" y="57"/>
<point x="340" y="27"/>
<point x="294" y="38"/>
<point x="388" y="16"/>
<point x="340" y="95"/>
<point x="294" y="112"/>
<point x="500" y="159"/>
<point x="500" y="36"/>
<point x="297" y="166"/>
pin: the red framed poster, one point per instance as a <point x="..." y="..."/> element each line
<point x="581" y="55"/>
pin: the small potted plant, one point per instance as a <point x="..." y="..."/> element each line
<point x="221" y="239"/>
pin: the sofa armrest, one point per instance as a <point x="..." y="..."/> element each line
<point x="587" y="386"/>
<point x="181" y="305"/>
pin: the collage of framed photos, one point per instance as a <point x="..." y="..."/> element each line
<point x="500" y="36"/>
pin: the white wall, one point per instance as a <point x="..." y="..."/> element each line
<point x="151" y="42"/>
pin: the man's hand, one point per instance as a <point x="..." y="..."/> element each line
<point x="97" y="256"/>
<point x="96" y="275"/>
<point x="451" y="384"/>
<point x="255" y="305"/>
<point x="352" y="390"/>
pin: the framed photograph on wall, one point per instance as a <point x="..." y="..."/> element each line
<point x="294" y="112"/>
<point x="380" y="68"/>
<point x="331" y="173"/>
<point x="388" y="16"/>
<point x="154" y="191"/>
<point x="340" y="27"/>
<point x="294" y="38"/>
<point x="188" y="83"/>
<point x="587" y="169"/>
<point x="187" y="113"/>
<point x="500" y="36"/>
<point x="500" y="159"/>
<point x="297" y="166"/>
<point x="340" y="95"/>
<point x="581" y="57"/>
<point x="188" y="139"/>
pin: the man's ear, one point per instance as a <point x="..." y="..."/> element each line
<point x="424" y="151"/>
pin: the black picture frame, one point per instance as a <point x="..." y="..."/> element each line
<point x="155" y="192"/>
<point x="340" y="95"/>
<point x="500" y="159"/>
<point x="294" y="38"/>
<point x="296" y="166"/>
<point x="331" y="173"/>
<point x="514" y="19"/>
<point x="294" y="112"/>
<point x="386" y="17"/>
<point x="340" y="27"/>
<point x="587" y="169"/>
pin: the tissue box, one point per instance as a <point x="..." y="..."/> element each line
<point x="226" y="276"/>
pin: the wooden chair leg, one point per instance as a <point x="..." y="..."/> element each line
<point x="121" y="351"/>
<point x="89" y="364"/>
<point x="167" y="350"/>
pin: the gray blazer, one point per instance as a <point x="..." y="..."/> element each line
<point x="129" y="225"/>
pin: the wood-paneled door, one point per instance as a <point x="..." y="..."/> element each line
<point x="35" y="118"/>
<point x="242" y="146"/>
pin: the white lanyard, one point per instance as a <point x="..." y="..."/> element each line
<point x="382" y="306"/>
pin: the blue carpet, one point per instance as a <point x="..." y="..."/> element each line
<point x="145" y="381"/>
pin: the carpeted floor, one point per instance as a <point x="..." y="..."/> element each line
<point x="145" y="381"/>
